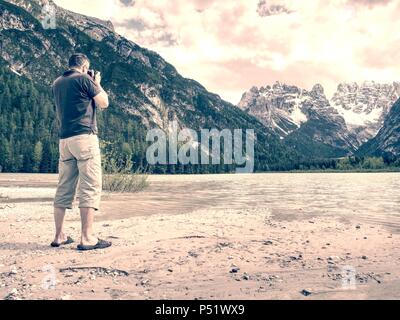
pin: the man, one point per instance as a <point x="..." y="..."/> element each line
<point x="77" y="95"/>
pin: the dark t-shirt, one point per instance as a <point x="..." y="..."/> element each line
<point x="76" y="110"/>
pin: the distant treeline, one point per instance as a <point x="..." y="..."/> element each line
<point x="29" y="138"/>
<point x="351" y="164"/>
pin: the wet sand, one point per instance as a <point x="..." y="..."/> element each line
<point x="267" y="236"/>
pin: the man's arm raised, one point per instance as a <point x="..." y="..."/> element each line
<point x="101" y="99"/>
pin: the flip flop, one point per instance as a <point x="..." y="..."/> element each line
<point x="57" y="245"/>
<point x="101" y="244"/>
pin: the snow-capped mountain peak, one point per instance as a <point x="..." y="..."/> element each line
<point x="365" y="106"/>
<point x="278" y="106"/>
<point x="354" y="115"/>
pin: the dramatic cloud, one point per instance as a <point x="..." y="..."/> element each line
<point x="229" y="46"/>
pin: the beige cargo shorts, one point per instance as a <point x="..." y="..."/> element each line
<point x="79" y="168"/>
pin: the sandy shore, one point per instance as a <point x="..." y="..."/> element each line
<point x="188" y="238"/>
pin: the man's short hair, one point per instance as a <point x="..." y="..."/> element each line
<point x="77" y="60"/>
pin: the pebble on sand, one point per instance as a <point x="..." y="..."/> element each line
<point x="305" y="292"/>
<point x="13" y="295"/>
<point x="235" y="270"/>
<point x="13" y="271"/>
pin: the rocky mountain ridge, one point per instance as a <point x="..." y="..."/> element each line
<point x="387" y="142"/>
<point x="354" y="114"/>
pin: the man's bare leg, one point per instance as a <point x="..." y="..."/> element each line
<point x="59" y="215"/>
<point x="87" y="219"/>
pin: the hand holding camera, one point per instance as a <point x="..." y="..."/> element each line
<point x="95" y="75"/>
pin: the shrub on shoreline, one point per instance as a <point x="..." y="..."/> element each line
<point x="118" y="174"/>
<point x="124" y="183"/>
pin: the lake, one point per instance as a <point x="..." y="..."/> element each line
<point x="372" y="197"/>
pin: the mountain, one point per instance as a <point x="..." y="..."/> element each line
<point x="387" y="141"/>
<point x="303" y="119"/>
<point x="364" y="107"/>
<point x="315" y="125"/>
<point x="145" y="90"/>
<point x="278" y="107"/>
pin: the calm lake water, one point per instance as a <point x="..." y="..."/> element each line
<point x="372" y="197"/>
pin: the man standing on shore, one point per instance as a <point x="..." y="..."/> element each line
<point x="77" y="94"/>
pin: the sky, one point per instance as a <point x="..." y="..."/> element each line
<point x="231" y="45"/>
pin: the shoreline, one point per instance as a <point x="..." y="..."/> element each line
<point x="394" y="170"/>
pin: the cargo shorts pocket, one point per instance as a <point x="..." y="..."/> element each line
<point x="90" y="174"/>
<point x="85" y="147"/>
<point x="86" y="154"/>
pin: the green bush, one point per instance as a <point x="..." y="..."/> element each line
<point x="373" y="163"/>
<point x="344" y="164"/>
<point x="124" y="183"/>
<point x="118" y="175"/>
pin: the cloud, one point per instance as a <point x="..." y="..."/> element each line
<point x="127" y="3"/>
<point x="369" y="3"/>
<point x="265" y="9"/>
<point x="156" y="34"/>
<point x="228" y="46"/>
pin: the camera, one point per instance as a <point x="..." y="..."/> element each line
<point x="91" y="73"/>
